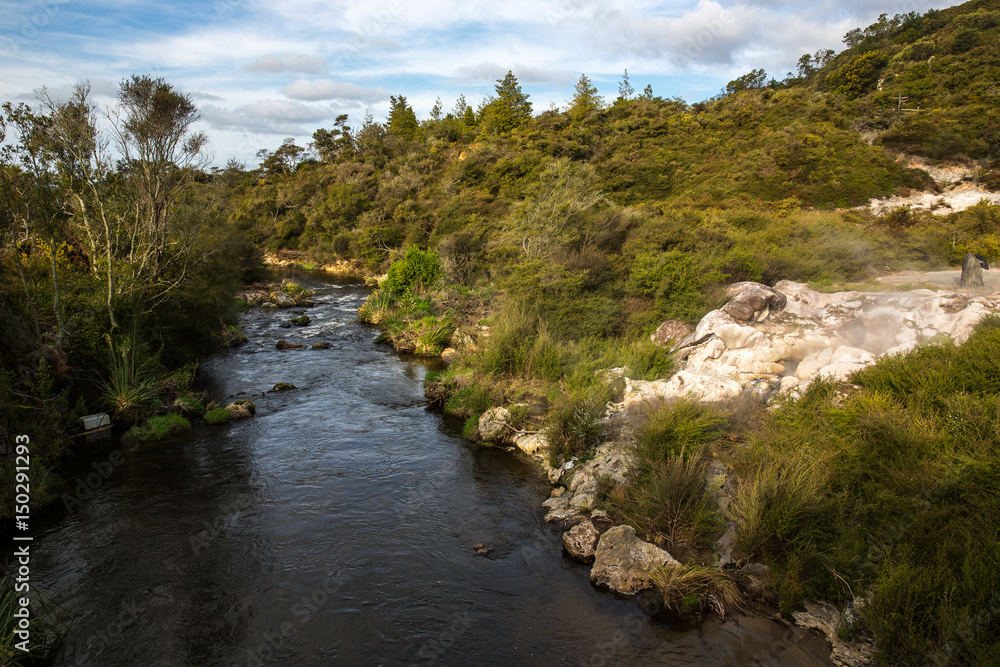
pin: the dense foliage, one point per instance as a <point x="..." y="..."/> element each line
<point x="568" y="236"/>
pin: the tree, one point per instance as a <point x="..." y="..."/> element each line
<point x="625" y="89"/>
<point x="436" y="110"/>
<point x="753" y="79"/>
<point x="126" y="214"/>
<point x="402" y="121"/>
<point x="370" y="140"/>
<point x="282" y="161"/>
<point x="331" y="144"/>
<point x="152" y="130"/>
<point x="586" y="100"/>
<point x="510" y="107"/>
<point x="30" y="206"/>
<point x="647" y="93"/>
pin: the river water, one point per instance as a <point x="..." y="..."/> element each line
<point x="337" y="527"/>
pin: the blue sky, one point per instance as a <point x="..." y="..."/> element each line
<point x="263" y="70"/>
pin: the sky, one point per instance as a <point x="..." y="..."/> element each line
<point x="263" y="70"/>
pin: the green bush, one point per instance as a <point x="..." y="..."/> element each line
<point x="417" y="270"/>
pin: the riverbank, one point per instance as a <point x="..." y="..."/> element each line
<point x="347" y="510"/>
<point x="782" y="501"/>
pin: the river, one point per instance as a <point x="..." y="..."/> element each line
<point x="337" y="527"/>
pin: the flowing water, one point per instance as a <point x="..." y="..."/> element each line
<point x="337" y="528"/>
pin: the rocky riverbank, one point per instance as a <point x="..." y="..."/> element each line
<point x="763" y="342"/>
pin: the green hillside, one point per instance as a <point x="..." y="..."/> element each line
<point x="570" y="236"/>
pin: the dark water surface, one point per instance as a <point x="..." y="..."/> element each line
<point x="337" y="528"/>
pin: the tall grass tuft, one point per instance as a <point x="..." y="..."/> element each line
<point x="575" y="421"/>
<point x="779" y="505"/>
<point x="666" y="500"/>
<point x="668" y="428"/>
<point x="131" y="383"/>
<point x="433" y="338"/>
<point x="376" y="308"/>
<point x="698" y="590"/>
<point x="510" y="342"/>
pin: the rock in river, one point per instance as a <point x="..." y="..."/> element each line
<point x="580" y="541"/>
<point x="623" y="562"/>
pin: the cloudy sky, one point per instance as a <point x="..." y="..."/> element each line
<point x="263" y="70"/>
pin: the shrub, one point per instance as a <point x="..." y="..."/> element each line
<point x="674" y="428"/>
<point x="645" y="360"/>
<point x="417" y="270"/>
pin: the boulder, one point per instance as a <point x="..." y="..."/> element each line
<point x="580" y="541"/>
<point x="494" y="425"/>
<point x="671" y="332"/>
<point x="601" y="521"/>
<point x="623" y="562"/>
<point x="282" y="386"/>
<point x="322" y="345"/>
<point x="241" y="409"/>
<point x="302" y="320"/>
<point x="562" y="513"/>
<point x="751" y="301"/>
<point x="281" y="300"/>
<point x="283" y="344"/>
<point x="532" y="444"/>
<point x="972" y="270"/>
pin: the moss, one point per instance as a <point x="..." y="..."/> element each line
<point x="158" y="428"/>
<point x="217" y="416"/>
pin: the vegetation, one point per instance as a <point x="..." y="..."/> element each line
<point x="217" y="416"/>
<point x="44" y="632"/>
<point x="118" y="263"/>
<point x="546" y="248"/>
<point x="158" y="428"/>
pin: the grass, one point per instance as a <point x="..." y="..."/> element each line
<point x="190" y="405"/>
<point x="698" y="590"/>
<point x="891" y="493"/>
<point x="433" y="337"/>
<point x="217" y="416"/>
<point x="131" y="384"/>
<point x="574" y="422"/>
<point x="158" y="428"/>
<point x="44" y="631"/>
<point x="664" y="497"/>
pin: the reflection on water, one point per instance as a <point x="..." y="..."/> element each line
<point x="337" y="527"/>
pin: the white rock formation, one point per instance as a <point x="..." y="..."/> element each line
<point x="816" y="334"/>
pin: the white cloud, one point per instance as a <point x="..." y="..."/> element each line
<point x="288" y="62"/>
<point x="491" y="72"/>
<point x="327" y="89"/>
